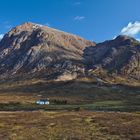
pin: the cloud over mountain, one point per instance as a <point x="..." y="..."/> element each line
<point x="132" y="29"/>
<point x="1" y="36"/>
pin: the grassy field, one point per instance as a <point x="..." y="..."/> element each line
<point x="22" y="95"/>
<point x="65" y="125"/>
<point x="92" y="112"/>
<point x="96" y="106"/>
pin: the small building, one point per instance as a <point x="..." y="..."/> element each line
<point x="43" y="102"/>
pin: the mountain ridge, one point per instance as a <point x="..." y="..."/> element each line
<point x="33" y="48"/>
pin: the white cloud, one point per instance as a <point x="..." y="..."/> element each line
<point x="47" y="24"/>
<point x="78" y="18"/>
<point x="77" y="3"/>
<point x="132" y="29"/>
<point x="114" y="37"/>
<point x="1" y="36"/>
<point x="7" y="25"/>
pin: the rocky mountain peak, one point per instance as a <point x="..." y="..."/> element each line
<point x="33" y="48"/>
<point x="123" y="37"/>
<point x="120" y="56"/>
<point x="124" y="40"/>
<point x="28" y="26"/>
<point x="36" y="50"/>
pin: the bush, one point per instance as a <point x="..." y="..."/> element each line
<point x="59" y="102"/>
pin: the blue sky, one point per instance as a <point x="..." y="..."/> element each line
<point x="95" y="20"/>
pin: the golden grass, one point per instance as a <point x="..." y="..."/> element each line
<point x="82" y="125"/>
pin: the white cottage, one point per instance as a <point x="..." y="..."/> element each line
<point x="43" y="102"/>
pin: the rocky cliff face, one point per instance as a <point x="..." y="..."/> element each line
<point x="32" y="48"/>
<point x="120" y="56"/>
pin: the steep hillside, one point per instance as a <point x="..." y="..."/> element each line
<point x="118" y="57"/>
<point x="36" y="49"/>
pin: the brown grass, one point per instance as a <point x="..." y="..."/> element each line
<point x="69" y="126"/>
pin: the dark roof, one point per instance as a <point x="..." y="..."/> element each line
<point x="43" y="100"/>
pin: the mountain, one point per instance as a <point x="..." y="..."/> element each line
<point x="33" y="50"/>
<point x="40" y="50"/>
<point x="118" y="57"/>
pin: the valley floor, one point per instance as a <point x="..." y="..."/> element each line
<point x="69" y="125"/>
<point x="22" y="119"/>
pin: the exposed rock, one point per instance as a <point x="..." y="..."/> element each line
<point x="31" y="48"/>
<point x="120" y="56"/>
<point x="37" y="50"/>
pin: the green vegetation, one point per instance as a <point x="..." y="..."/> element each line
<point x="68" y="96"/>
<point x="97" y="106"/>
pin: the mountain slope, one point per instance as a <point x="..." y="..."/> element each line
<point x="120" y="56"/>
<point x="32" y="48"/>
